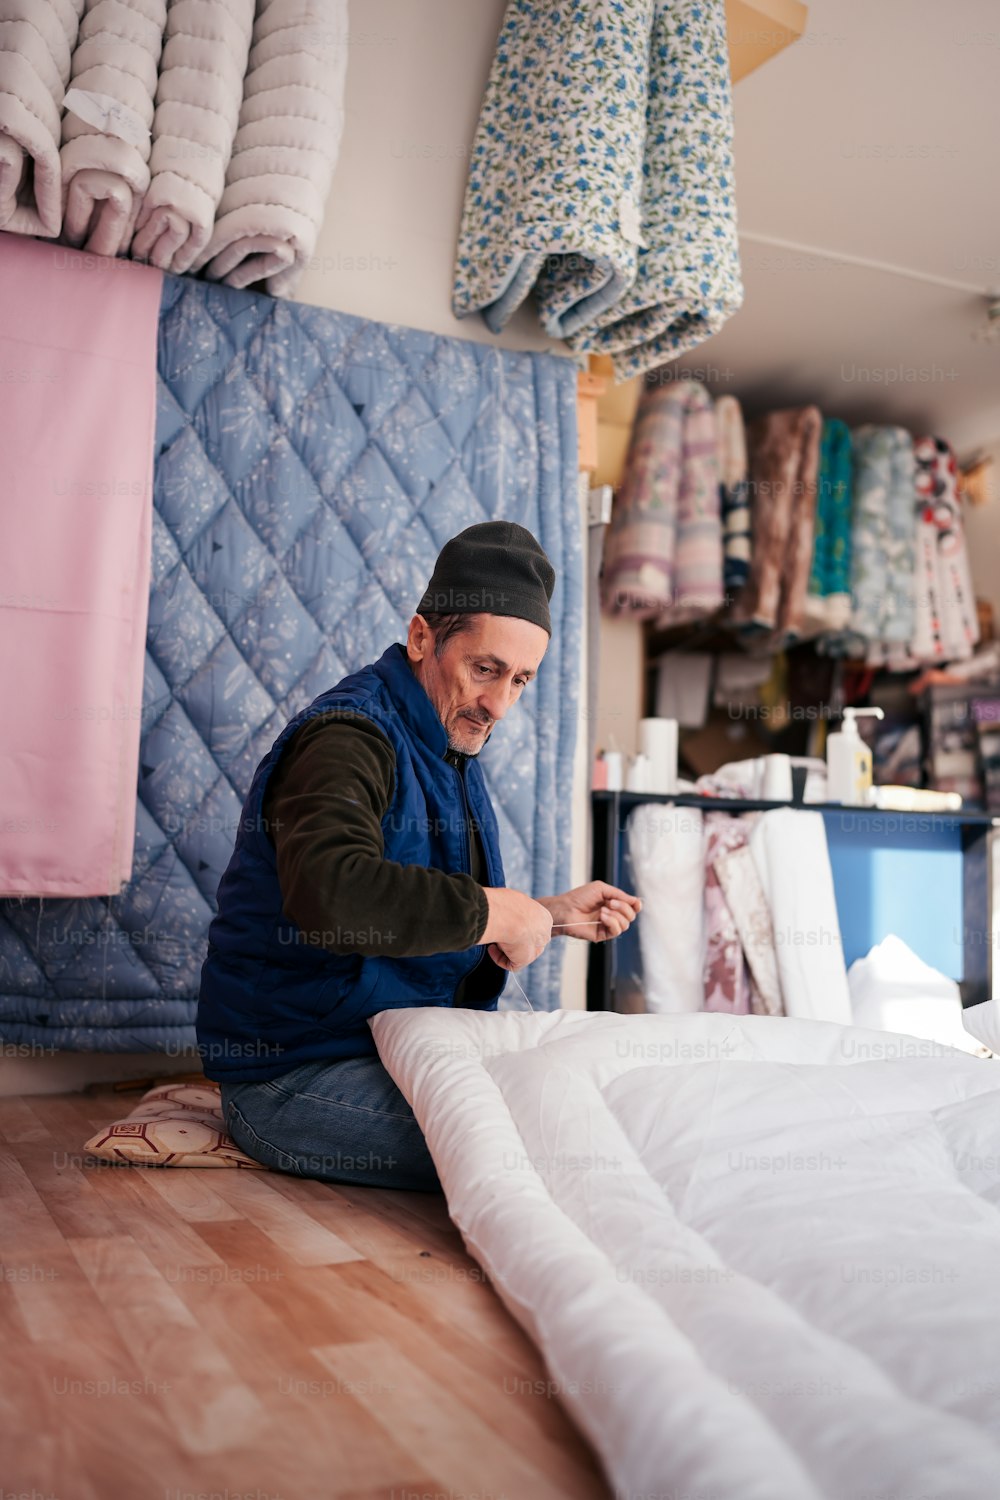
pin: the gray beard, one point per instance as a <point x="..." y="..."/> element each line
<point x="472" y="754"/>
<point x="458" y="750"/>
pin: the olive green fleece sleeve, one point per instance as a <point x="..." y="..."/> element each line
<point x="323" y="808"/>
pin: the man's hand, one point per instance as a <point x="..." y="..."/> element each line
<point x="517" y="930"/>
<point x="595" y="911"/>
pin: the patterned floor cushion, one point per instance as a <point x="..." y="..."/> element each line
<point x="174" y="1125"/>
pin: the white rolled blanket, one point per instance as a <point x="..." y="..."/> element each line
<point x="790" y="850"/>
<point x="286" y="147"/>
<point x="666" y="846"/>
<point x="106" y="137"/>
<point x="197" y="112"/>
<point x="37" y="38"/>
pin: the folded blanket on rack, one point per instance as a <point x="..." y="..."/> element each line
<point x="784" y="466"/>
<point x="734" y="498"/>
<point x="286" y="147"/>
<point x="37" y="38"/>
<point x="555" y="174"/>
<point x="197" y="111"/>
<point x="946" y="626"/>
<point x="76" y="432"/>
<point x="106" y="137"/>
<point x="883" y="543"/>
<point x="687" y="281"/>
<point x="828" y="603"/>
<point x="663" y="551"/>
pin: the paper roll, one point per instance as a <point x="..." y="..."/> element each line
<point x="658" y="741"/>
<point x="637" y="775"/>
<point x="776" y="781"/>
<point x="614" y="762"/>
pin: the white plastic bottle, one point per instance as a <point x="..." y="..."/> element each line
<point x="849" y="761"/>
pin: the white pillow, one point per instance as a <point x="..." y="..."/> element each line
<point x="894" y="990"/>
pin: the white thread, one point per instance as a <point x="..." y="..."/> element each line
<point x="517" y="982"/>
<point x="555" y="925"/>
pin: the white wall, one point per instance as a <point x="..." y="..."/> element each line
<point x="620" y="673"/>
<point x="415" y="80"/>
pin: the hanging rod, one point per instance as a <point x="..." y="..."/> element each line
<point x="869" y="264"/>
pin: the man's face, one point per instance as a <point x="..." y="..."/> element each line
<point x="479" y="675"/>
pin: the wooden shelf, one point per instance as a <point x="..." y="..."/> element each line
<point x="758" y="30"/>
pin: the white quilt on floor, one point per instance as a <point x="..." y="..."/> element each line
<point x="761" y="1256"/>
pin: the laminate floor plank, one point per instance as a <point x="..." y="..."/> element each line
<point x="209" y="1405"/>
<point x="141" y="1212"/>
<point x="65" y="1185"/>
<point x="317" y="1417"/>
<point x="171" y="1332"/>
<point x="19" y="1122"/>
<point x="191" y="1192"/>
<point x="512" y="1396"/>
<point x="436" y="1426"/>
<point x="416" y="1249"/>
<point x="258" y="1199"/>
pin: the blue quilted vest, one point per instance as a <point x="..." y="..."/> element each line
<point x="270" y="1000"/>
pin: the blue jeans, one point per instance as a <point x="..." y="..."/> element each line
<point x="340" y="1121"/>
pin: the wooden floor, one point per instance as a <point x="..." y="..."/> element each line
<point x="169" y="1333"/>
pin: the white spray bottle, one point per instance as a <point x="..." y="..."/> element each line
<point x="849" y="760"/>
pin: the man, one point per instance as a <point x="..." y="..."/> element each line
<point x="367" y="876"/>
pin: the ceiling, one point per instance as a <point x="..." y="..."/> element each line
<point x="876" y="135"/>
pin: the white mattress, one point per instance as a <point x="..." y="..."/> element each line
<point x="760" y="1255"/>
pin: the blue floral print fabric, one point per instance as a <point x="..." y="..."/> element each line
<point x="601" y="177"/>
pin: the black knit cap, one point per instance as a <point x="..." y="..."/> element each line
<point x="496" y="568"/>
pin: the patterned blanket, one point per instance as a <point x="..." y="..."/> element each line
<point x="663" y="554"/>
<point x="601" y="177"/>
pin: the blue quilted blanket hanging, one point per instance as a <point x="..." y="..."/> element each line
<point x="309" y="466"/>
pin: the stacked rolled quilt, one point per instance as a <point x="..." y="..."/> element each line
<point x="946" y="626"/>
<point x="37" y="38"/>
<point x="687" y="282"/>
<point x="198" y="101"/>
<point x="784" y="471"/>
<point x="555" y="175"/>
<point x="883" y="540"/>
<point x="828" y="605"/>
<point x="601" y="177"/>
<point x="663" y="553"/>
<point x="106" y="137"/>
<point x="286" y="147"/>
<point x="734" y="497"/>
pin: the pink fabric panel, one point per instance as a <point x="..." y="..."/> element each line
<point x="77" y="422"/>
